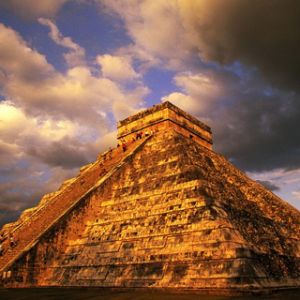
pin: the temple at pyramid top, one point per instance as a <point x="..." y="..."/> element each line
<point x="162" y="117"/>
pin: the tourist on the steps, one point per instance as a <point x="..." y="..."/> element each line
<point x="139" y="135"/>
<point x="124" y="146"/>
<point x="12" y="241"/>
<point x="1" y="249"/>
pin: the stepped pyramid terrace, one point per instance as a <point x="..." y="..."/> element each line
<point x="162" y="211"/>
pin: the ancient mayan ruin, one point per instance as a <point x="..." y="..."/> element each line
<point x="161" y="211"/>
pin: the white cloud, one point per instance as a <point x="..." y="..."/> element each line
<point x="80" y="96"/>
<point x="200" y="85"/>
<point x="162" y="29"/>
<point x="76" y="55"/>
<point x="116" y="67"/>
<point x="53" y="122"/>
<point x="181" y="100"/>
<point x="296" y="194"/>
<point x="201" y="92"/>
<point x="19" y="129"/>
<point x="18" y="61"/>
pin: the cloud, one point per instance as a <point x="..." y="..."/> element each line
<point x="79" y="95"/>
<point x="20" y="134"/>
<point x="239" y="75"/>
<point x="18" y="193"/>
<point x="286" y="181"/>
<point x="201" y="91"/>
<point x="50" y="122"/>
<point x="242" y="75"/>
<point x="256" y="131"/>
<point x="185" y="102"/>
<point x="252" y="123"/>
<point x="222" y="32"/>
<point x="18" y="61"/>
<point x="260" y="33"/>
<point x="296" y="195"/>
<point x="269" y="185"/>
<point x="67" y="153"/>
<point x="76" y="55"/>
<point x="47" y="150"/>
<point x="32" y="9"/>
<point x="154" y="27"/>
<point x="116" y="67"/>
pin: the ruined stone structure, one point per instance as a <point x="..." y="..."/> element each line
<point x="167" y="213"/>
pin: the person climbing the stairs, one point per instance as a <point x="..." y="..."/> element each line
<point x="12" y="241"/>
<point x="124" y="146"/>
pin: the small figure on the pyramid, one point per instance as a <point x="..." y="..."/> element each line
<point x="1" y="249"/>
<point x="12" y="241"/>
<point x="124" y="146"/>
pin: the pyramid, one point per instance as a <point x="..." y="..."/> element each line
<point x="166" y="212"/>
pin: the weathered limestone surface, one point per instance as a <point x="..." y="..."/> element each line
<point x="175" y="215"/>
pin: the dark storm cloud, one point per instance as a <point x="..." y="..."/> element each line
<point x="22" y="184"/>
<point x="265" y="34"/>
<point x="7" y="216"/>
<point x="67" y="153"/>
<point x="15" y="198"/>
<point x="247" y="53"/>
<point x="259" y="132"/>
<point x="269" y="185"/>
<point x="257" y="126"/>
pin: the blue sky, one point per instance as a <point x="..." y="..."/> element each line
<point x="70" y="69"/>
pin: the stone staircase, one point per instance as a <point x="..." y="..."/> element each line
<point x="30" y="231"/>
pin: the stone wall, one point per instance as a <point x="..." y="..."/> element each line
<point x="163" y="117"/>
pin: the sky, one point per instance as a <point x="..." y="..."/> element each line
<point x="70" y="69"/>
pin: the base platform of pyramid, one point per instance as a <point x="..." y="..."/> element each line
<point x="167" y="212"/>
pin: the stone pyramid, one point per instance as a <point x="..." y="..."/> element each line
<point x="166" y="213"/>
